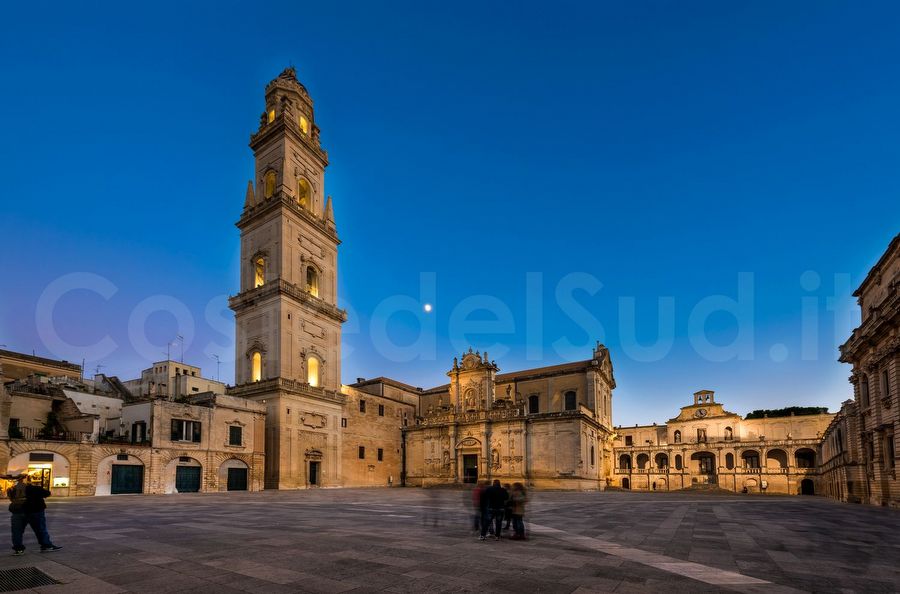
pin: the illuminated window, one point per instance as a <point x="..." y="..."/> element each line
<point x="271" y="116"/>
<point x="259" y="272"/>
<point x="312" y="281"/>
<point x="270" y="184"/>
<point x="312" y="371"/>
<point x="256" y="367"/>
<point x="304" y="194"/>
<point x="304" y="125"/>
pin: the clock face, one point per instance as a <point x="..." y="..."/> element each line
<point x="702" y="412"/>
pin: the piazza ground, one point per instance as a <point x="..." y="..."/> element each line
<point x="413" y="540"/>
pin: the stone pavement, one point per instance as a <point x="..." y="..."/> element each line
<point x="410" y="540"/>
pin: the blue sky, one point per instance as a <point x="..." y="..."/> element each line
<point x="597" y="151"/>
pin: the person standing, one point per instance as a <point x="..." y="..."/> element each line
<point x="518" y="499"/>
<point x="495" y="498"/>
<point x="27" y="508"/>
<point x="507" y="509"/>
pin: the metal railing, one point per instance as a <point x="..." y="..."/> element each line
<point x="32" y="434"/>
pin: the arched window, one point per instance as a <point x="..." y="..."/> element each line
<point x="864" y="391"/>
<point x="729" y="461"/>
<point x="729" y="434"/>
<point x="677" y="461"/>
<point x="312" y="281"/>
<point x="625" y="462"/>
<point x="256" y="366"/>
<point x="571" y="400"/>
<point x="270" y="117"/>
<point x="259" y="272"/>
<point x="534" y="404"/>
<point x="269" y="179"/>
<point x="304" y="124"/>
<point x="312" y="371"/>
<point x="304" y="194"/>
<point x="677" y="436"/>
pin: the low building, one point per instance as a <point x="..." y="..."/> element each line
<point x="172" y="379"/>
<point x="706" y="445"/>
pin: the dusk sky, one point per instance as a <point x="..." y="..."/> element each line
<point x="546" y="165"/>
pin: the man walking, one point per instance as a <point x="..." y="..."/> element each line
<point x="27" y="508"/>
<point x="495" y="497"/>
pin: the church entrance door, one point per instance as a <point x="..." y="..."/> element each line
<point x="313" y="474"/>
<point x="470" y="468"/>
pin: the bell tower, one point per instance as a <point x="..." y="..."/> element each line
<point x="288" y="325"/>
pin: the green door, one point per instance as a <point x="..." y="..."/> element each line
<point x="127" y="478"/>
<point x="237" y="479"/>
<point x="187" y="479"/>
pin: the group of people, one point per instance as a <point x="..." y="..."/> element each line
<point x="493" y="504"/>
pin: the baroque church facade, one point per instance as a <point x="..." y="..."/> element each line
<point x="549" y="426"/>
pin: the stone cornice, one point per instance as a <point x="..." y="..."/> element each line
<point x="268" y="132"/>
<point x="282" y="287"/>
<point x="883" y="318"/>
<point x="283" y="200"/>
<point x="281" y="384"/>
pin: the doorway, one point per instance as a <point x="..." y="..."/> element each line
<point x="187" y="479"/>
<point x="626" y="484"/>
<point x="127" y="478"/>
<point x="807" y="487"/>
<point x="314" y="474"/>
<point x="470" y="468"/>
<point x="237" y="479"/>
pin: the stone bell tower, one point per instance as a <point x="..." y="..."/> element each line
<point x="288" y="334"/>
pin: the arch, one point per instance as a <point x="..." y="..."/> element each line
<point x="729" y="461"/>
<point x="183" y="474"/>
<point x="269" y="183"/>
<point x="661" y="460"/>
<point x="256" y="365"/>
<point x="304" y="194"/>
<point x="626" y="484"/>
<point x="259" y="271"/>
<point x="805" y="458"/>
<point x="777" y="457"/>
<point x="677" y="436"/>
<point x="807" y="487"/>
<point x="303" y="123"/>
<point x="750" y="458"/>
<point x="643" y="461"/>
<point x="44" y="466"/>
<point x="312" y="281"/>
<point x="751" y="484"/>
<point x="625" y="462"/>
<point x="661" y="484"/>
<point x="729" y="434"/>
<point x="234" y="475"/>
<point x="703" y="462"/>
<point x="313" y="372"/>
<point x="571" y="400"/>
<point x="678" y="463"/>
<point x="127" y="471"/>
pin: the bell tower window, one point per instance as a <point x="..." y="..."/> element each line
<point x="304" y="125"/>
<point x="312" y="371"/>
<point x="312" y="281"/>
<point x="269" y="189"/>
<point x="270" y="117"/>
<point x="304" y="194"/>
<point x="259" y="272"/>
<point x="256" y="366"/>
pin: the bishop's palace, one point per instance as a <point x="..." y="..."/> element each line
<point x="289" y="423"/>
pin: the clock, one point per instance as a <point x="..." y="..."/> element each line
<point x="701" y="412"/>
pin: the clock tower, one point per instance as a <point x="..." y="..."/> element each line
<point x="288" y="325"/>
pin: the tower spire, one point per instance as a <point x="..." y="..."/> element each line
<point x="329" y="212"/>
<point x="250" y="200"/>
